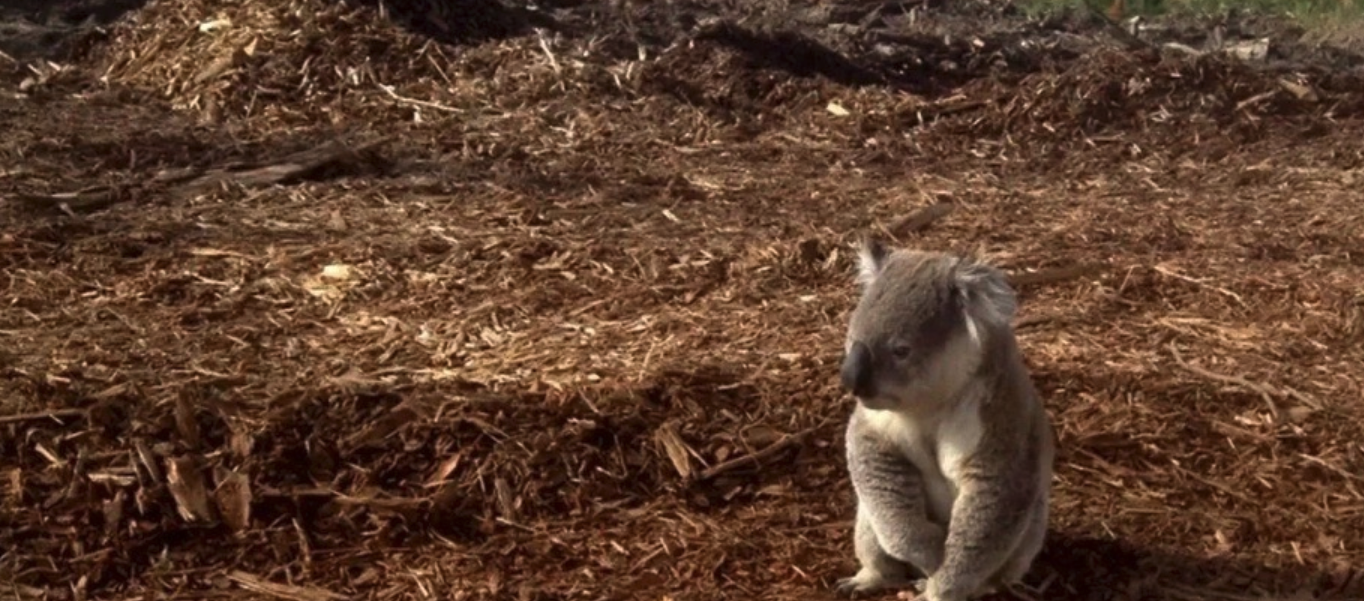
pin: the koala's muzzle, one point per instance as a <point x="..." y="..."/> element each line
<point x="857" y="371"/>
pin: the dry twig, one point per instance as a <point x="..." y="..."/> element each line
<point x="920" y="219"/>
<point x="281" y="170"/>
<point x="387" y="89"/>
<point x="1184" y="278"/>
<point x="283" y="591"/>
<point x="1265" y="392"/>
<point x="54" y="414"/>
<point x="544" y="45"/>
<point x="1052" y="276"/>
<point x="766" y="453"/>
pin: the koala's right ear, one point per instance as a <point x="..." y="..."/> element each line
<point x="986" y="291"/>
<point x="871" y="257"/>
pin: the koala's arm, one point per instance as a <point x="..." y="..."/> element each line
<point x="890" y="493"/>
<point x="992" y="511"/>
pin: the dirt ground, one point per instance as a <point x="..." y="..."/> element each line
<point x="324" y="301"/>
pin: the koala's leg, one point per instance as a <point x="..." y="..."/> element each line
<point x="985" y="537"/>
<point x="879" y="570"/>
<point x="1028" y="548"/>
<point x="892" y="519"/>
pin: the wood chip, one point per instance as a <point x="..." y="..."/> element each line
<point x="186" y="423"/>
<point x="186" y="483"/>
<point x="676" y="450"/>
<point x="233" y="498"/>
<point x="283" y="591"/>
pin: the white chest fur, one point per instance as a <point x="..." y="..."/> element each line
<point x="937" y="445"/>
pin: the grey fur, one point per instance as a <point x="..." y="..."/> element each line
<point x="949" y="449"/>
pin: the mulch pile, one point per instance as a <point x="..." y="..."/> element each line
<point x="300" y="304"/>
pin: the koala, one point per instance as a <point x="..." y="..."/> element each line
<point x="949" y="447"/>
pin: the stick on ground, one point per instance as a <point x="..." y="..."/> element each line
<point x="1263" y="390"/>
<point x="281" y="170"/>
<point x="920" y="219"/>
<point x="28" y="417"/>
<point x="1051" y="276"/>
<point x="768" y="452"/>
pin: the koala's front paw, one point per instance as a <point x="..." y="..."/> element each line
<point x="867" y="581"/>
<point x="915" y="591"/>
<point x="933" y="590"/>
<point x="929" y="590"/>
<point x="859" y="583"/>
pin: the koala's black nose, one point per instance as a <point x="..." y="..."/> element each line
<point x="857" y="370"/>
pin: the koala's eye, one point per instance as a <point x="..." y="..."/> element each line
<point x="901" y="351"/>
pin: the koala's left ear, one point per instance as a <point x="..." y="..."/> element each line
<point x="986" y="292"/>
<point x="871" y="257"/>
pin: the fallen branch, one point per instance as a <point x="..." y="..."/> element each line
<point x="1033" y="321"/>
<point x="1340" y="471"/>
<point x="1185" y="48"/>
<point x="387" y="89"/>
<point x="824" y="14"/>
<point x="282" y="591"/>
<point x="1231" y="492"/>
<point x="29" y="417"/>
<point x="190" y="181"/>
<point x="1302" y="398"/>
<point x="85" y="200"/>
<point x="288" y="168"/>
<point x="1264" y="391"/>
<point x="1051" y="276"/>
<point x="944" y="109"/>
<point x="1256" y="99"/>
<point x="920" y="219"/>
<point x="1179" y="276"/>
<point x="785" y="442"/>
<point x="955" y="105"/>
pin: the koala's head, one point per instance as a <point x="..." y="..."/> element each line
<point x="922" y="326"/>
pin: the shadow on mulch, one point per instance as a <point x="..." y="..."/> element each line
<point x="793" y="53"/>
<point x="1083" y="567"/>
<point x="461" y="22"/>
<point x="71" y="12"/>
<point x="57" y="30"/>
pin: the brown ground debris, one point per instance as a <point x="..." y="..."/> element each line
<point x="548" y="304"/>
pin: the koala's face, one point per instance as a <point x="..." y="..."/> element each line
<point x="910" y="342"/>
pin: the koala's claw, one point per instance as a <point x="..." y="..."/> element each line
<point x="915" y="591"/>
<point x="851" y="585"/>
<point x="846" y="586"/>
<point x="866" y="582"/>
